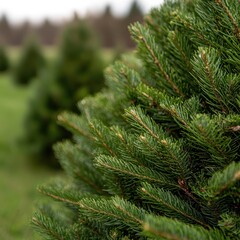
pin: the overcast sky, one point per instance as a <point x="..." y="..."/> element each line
<point x="36" y="10"/>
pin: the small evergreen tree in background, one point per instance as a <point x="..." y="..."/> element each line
<point x="77" y="73"/>
<point x="31" y="61"/>
<point x="135" y="13"/>
<point x="156" y="156"/>
<point x="4" y="62"/>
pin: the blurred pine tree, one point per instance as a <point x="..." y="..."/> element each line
<point x="4" y="61"/>
<point x="77" y="73"/>
<point x="31" y="61"/>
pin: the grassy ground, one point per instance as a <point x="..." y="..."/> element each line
<point x="18" y="180"/>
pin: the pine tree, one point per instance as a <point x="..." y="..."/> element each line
<point x="77" y="73"/>
<point x="30" y="63"/>
<point x="135" y="13"/>
<point x="4" y="62"/>
<point x="156" y="155"/>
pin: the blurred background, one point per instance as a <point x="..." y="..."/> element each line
<point x="52" y="54"/>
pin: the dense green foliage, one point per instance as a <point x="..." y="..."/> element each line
<point x="77" y="73"/>
<point x="156" y="155"/>
<point x="4" y="61"/>
<point x="30" y="62"/>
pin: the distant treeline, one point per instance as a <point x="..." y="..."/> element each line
<point x="112" y="30"/>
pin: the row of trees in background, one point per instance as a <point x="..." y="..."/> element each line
<point x="112" y="30"/>
<point x="30" y="62"/>
<point x="76" y="73"/>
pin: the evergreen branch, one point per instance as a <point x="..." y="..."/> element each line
<point x="167" y="155"/>
<point x="171" y="229"/>
<point x="180" y="50"/>
<point x="222" y="180"/>
<point x="171" y="205"/>
<point x="122" y="78"/>
<point x="56" y="197"/>
<point x="156" y="61"/>
<point x="230" y="223"/>
<point x="182" y="112"/>
<point x="168" y="106"/>
<point x="47" y="228"/>
<point x="169" y="150"/>
<point x="130" y="210"/>
<point x="209" y="134"/>
<point x="98" y="129"/>
<point x="77" y="166"/>
<point x="128" y="151"/>
<point x="210" y="76"/>
<point x="90" y="183"/>
<point x="137" y="115"/>
<point x="113" y="212"/>
<point x="63" y="193"/>
<point x="217" y="86"/>
<point x="72" y="122"/>
<point x="177" y="158"/>
<point x="230" y="16"/>
<point x="124" y="169"/>
<point x="142" y="34"/>
<point x="183" y="185"/>
<point x="50" y="226"/>
<point x="151" y="150"/>
<point x="178" y="20"/>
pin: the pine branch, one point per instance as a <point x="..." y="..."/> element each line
<point x="64" y="192"/>
<point x="152" y="99"/>
<point x="51" y="225"/>
<point x="113" y="212"/>
<point x="218" y="88"/>
<point x="209" y="135"/>
<point x="125" y="169"/>
<point x="56" y="195"/>
<point x="185" y="21"/>
<point x="80" y="167"/>
<point x="178" y="49"/>
<point x="222" y="181"/>
<point x="169" y="204"/>
<point x="125" y="147"/>
<point x="233" y="21"/>
<point x="147" y="43"/>
<point x="100" y="132"/>
<point x="170" y="229"/>
<point x="74" y="123"/>
<point x="46" y="227"/>
<point x="121" y="77"/>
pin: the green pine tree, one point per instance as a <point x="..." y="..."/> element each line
<point x="77" y="73"/>
<point x="156" y="156"/>
<point x="4" y="61"/>
<point x="30" y="63"/>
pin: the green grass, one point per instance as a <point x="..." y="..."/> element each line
<point x="18" y="180"/>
